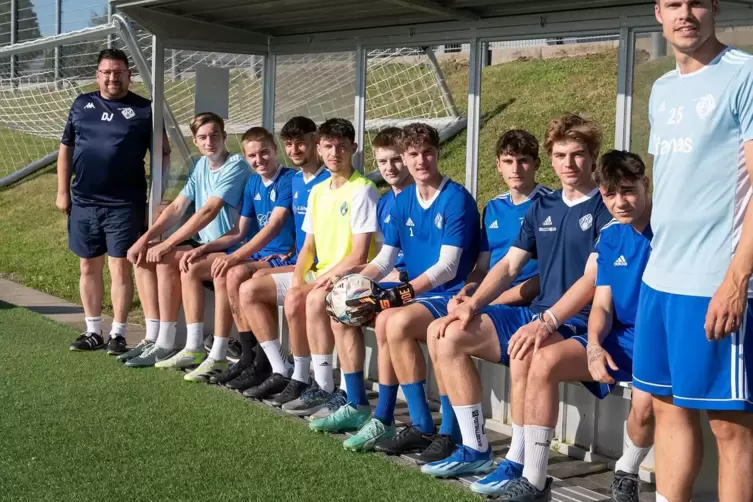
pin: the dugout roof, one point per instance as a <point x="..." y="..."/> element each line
<point x="300" y="26"/>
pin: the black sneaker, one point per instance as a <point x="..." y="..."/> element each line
<point x="252" y="376"/>
<point x="520" y="490"/>
<point x="625" y="487"/>
<point x="274" y="384"/>
<point x="408" y="440"/>
<point x="233" y="372"/>
<point x="87" y="341"/>
<point x="442" y="447"/>
<point x="116" y="345"/>
<point x="234" y="349"/>
<point x="293" y="391"/>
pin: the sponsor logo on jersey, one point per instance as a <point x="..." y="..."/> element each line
<point x="586" y="222"/>
<point x="263" y="219"/>
<point x="620" y="262"/>
<point x="89" y="106"/>
<point x="438" y="221"/>
<point x="128" y="113"/>
<point x="495" y="225"/>
<point x="673" y="145"/>
<point x="344" y="208"/>
<point x="705" y="106"/>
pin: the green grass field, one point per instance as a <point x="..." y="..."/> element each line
<point x="152" y="436"/>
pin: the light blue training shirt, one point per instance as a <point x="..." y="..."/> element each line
<point x="699" y="123"/>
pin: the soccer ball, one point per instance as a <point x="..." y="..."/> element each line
<point x="351" y="287"/>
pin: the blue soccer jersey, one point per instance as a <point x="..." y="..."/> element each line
<point x="500" y="227"/>
<point x="699" y="124"/>
<point x="261" y="197"/>
<point x="110" y="138"/>
<point x="561" y="235"/>
<point x="384" y="208"/>
<point x="301" y="189"/>
<point x="420" y="228"/>
<point x="622" y="257"/>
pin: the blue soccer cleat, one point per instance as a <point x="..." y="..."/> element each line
<point x="494" y="483"/>
<point x="464" y="462"/>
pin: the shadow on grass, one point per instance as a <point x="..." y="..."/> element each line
<point x="7" y="306"/>
<point x="45" y="309"/>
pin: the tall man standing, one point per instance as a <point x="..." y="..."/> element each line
<point x="693" y="335"/>
<point x="104" y="144"/>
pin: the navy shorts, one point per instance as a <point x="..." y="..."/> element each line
<point x="674" y="358"/>
<point x="507" y="320"/>
<point x="618" y="344"/>
<point x="94" y="231"/>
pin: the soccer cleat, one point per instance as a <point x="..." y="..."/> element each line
<point x="136" y="351"/>
<point x="521" y="490"/>
<point x="233" y="372"/>
<point x="464" y="462"/>
<point x="336" y="400"/>
<point x="625" y="487"/>
<point x="150" y="357"/>
<point x="206" y="370"/>
<point x="292" y="391"/>
<point x="185" y="359"/>
<point x="310" y="401"/>
<point x="116" y="345"/>
<point x="208" y="341"/>
<point x="252" y="376"/>
<point x="442" y="447"/>
<point x="495" y="483"/>
<point x="408" y="440"/>
<point x="346" y="418"/>
<point x="234" y="349"/>
<point x="368" y="435"/>
<point x="274" y="384"/>
<point x="87" y="341"/>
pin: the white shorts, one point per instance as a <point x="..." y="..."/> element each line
<point x="283" y="282"/>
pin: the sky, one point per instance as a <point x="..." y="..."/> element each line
<point x="76" y="14"/>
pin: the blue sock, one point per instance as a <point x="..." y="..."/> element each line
<point x="450" y="426"/>
<point x="418" y="406"/>
<point x="356" y="389"/>
<point x="385" y="408"/>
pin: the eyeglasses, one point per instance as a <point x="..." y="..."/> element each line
<point x="110" y="73"/>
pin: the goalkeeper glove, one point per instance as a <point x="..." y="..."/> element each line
<point x="382" y="299"/>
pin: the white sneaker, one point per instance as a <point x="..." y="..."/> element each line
<point x="207" y="369"/>
<point x="185" y="359"/>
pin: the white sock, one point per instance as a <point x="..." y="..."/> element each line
<point x="118" y="328"/>
<point x="93" y="325"/>
<point x="471" y="421"/>
<point x="219" y="348"/>
<point x="166" y="337"/>
<point x="538" y="442"/>
<point x="273" y="350"/>
<point x="152" y="329"/>
<point x="195" y="336"/>
<point x="323" y="371"/>
<point x="301" y="369"/>
<point x="517" y="450"/>
<point x="661" y="498"/>
<point x="631" y="458"/>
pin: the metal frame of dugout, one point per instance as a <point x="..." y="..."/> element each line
<point x="586" y="428"/>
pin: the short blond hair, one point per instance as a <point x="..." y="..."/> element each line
<point x="201" y="119"/>
<point x="572" y="126"/>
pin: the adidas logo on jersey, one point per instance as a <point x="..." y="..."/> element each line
<point x="494" y="225"/>
<point x="547" y="225"/>
<point x="258" y="197"/>
<point x="548" y="221"/>
<point x="620" y="262"/>
<point x="387" y="219"/>
<point x="410" y="223"/>
<point x="295" y="195"/>
<point x="89" y="106"/>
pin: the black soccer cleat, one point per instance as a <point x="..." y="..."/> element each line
<point x="251" y="376"/>
<point x="442" y="447"/>
<point x="233" y="372"/>
<point x="408" y="440"/>
<point x="292" y="391"/>
<point x="274" y="384"/>
<point x="87" y="342"/>
<point x="234" y="349"/>
<point x="116" y="345"/>
<point x="625" y="487"/>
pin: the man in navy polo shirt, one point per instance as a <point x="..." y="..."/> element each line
<point x="104" y="144"/>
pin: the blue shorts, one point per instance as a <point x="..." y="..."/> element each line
<point x="619" y="345"/>
<point x="674" y="358"/>
<point x="274" y="262"/>
<point x="94" y="231"/>
<point x="435" y="302"/>
<point x="507" y="320"/>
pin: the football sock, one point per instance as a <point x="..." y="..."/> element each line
<point x="219" y="348"/>
<point x="248" y="342"/>
<point x="450" y="426"/>
<point x="632" y="457"/>
<point x="166" y="337"/>
<point x="385" y="408"/>
<point x="152" y="330"/>
<point x="471" y="421"/>
<point x="301" y="368"/>
<point x="418" y="406"/>
<point x="538" y="441"/>
<point x="195" y="336"/>
<point x="118" y="328"/>
<point x="273" y="350"/>
<point x="323" y="371"/>
<point x="93" y="325"/>
<point x="356" y="389"/>
<point x="517" y="451"/>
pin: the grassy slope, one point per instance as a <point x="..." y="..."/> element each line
<point x="517" y="94"/>
<point x="152" y="436"/>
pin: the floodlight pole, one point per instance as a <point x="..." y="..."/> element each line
<point x="474" y="122"/>
<point x="158" y="99"/>
<point x="359" y="119"/>
<point x="624" y="108"/>
<point x="268" y="96"/>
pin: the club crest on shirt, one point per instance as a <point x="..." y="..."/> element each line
<point x="586" y="222"/>
<point x="705" y="106"/>
<point x="128" y="113"/>
<point x="344" y="208"/>
<point x="438" y="221"/>
<point x="272" y="195"/>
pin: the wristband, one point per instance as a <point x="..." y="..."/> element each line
<point x="549" y="327"/>
<point x="554" y="318"/>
